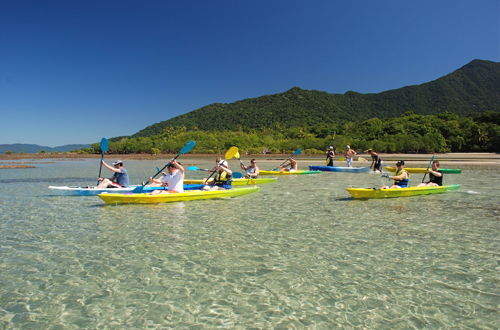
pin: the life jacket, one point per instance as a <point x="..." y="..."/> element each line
<point x="223" y="180"/>
<point x="402" y="183"/>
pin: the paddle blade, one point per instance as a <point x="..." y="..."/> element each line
<point x="237" y="175"/>
<point x="297" y="152"/>
<point x="187" y="147"/>
<point x="193" y="168"/>
<point x="104" y="145"/>
<point x="231" y="152"/>
<point x="138" y="189"/>
<point x="237" y="155"/>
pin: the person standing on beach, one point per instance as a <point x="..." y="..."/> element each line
<point x="252" y="171"/>
<point x="376" y="161"/>
<point x="349" y="153"/>
<point x="119" y="179"/>
<point x="330" y="155"/>
<point x="435" y="175"/>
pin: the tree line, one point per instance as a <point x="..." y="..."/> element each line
<point x="409" y="133"/>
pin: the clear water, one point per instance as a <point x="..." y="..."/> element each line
<point x="298" y="254"/>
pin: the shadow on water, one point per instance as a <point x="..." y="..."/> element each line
<point x="48" y="180"/>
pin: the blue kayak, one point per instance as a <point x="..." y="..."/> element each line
<point x="339" y="169"/>
<point x="94" y="191"/>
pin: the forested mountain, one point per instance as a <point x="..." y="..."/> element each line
<point x="34" y="148"/>
<point x="472" y="89"/>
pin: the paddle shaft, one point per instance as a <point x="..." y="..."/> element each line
<point x="428" y="166"/>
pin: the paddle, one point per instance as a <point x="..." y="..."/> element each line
<point x="185" y="149"/>
<point x="295" y="153"/>
<point x="104" y="148"/>
<point x="237" y="175"/>
<point x="428" y="166"/>
<point x="230" y="153"/>
<point x="196" y="168"/>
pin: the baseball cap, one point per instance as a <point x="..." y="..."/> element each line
<point x="118" y="162"/>
<point x="400" y="162"/>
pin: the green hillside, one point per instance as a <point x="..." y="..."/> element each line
<point x="472" y="89"/>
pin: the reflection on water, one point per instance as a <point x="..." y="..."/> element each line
<point x="299" y="253"/>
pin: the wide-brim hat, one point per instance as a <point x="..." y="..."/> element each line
<point x="117" y="162"/>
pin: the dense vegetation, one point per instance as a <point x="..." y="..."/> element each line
<point x="409" y="133"/>
<point x="470" y="90"/>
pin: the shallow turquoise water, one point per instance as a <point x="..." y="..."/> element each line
<point x="299" y="253"/>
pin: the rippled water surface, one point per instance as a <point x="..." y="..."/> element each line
<point x="299" y="253"/>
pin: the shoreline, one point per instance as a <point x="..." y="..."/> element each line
<point x="446" y="159"/>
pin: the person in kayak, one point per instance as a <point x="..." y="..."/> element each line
<point x="401" y="177"/>
<point x="290" y="166"/>
<point x="222" y="178"/>
<point x="330" y="155"/>
<point x="349" y="153"/>
<point x="376" y="164"/>
<point x="435" y="175"/>
<point x="119" y="179"/>
<point x="252" y="171"/>
<point x="174" y="179"/>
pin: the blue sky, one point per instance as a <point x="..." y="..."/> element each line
<point x="76" y="71"/>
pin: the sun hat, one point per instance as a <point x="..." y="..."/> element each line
<point x="400" y="162"/>
<point x="118" y="162"/>
<point x="330" y="147"/>
<point x="348" y="147"/>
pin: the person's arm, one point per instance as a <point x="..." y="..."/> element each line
<point x="435" y="173"/>
<point x="243" y="167"/>
<point x="111" y="168"/>
<point x="225" y="169"/>
<point x="257" y="171"/>
<point x="155" y="181"/>
<point x="178" y="166"/>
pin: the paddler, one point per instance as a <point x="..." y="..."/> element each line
<point x="435" y="175"/>
<point x="119" y="179"/>
<point x="252" y="171"/>
<point x="222" y="178"/>
<point x="330" y="155"/>
<point x="401" y="177"/>
<point x="290" y="166"/>
<point x="174" y="179"/>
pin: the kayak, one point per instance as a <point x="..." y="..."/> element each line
<point x="94" y="191"/>
<point x="423" y="170"/>
<point x="365" y="193"/>
<point x="148" y="198"/>
<point x="339" y="169"/>
<point x="261" y="172"/>
<point x="237" y="182"/>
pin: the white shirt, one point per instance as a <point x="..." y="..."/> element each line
<point x="174" y="181"/>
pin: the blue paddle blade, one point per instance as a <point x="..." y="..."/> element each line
<point x="104" y="145"/>
<point x="237" y="175"/>
<point x="297" y="152"/>
<point x="187" y="147"/>
<point x="193" y="168"/>
<point x="158" y="169"/>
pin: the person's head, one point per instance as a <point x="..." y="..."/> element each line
<point x="218" y="159"/>
<point x="330" y="148"/>
<point x="253" y="162"/>
<point x="370" y="151"/>
<point x="348" y="147"/>
<point x="400" y="163"/>
<point x="171" y="167"/>
<point x="435" y="164"/>
<point x="118" y="164"/>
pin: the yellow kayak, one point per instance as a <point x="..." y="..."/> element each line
<point x="365" y="193"/>
<point x="189" y="195"/>
<point x="423" y="170"/>
<point x="237" y="182"/>
<point x="261" y="172"/>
